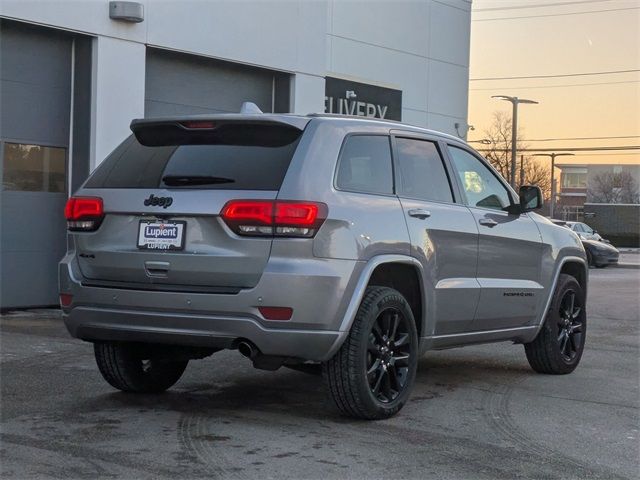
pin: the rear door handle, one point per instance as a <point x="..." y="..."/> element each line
<point x="488" y="222"/>
<point x="420" y="213"/>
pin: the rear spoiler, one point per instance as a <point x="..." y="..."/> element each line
<point x="225" y="129"/>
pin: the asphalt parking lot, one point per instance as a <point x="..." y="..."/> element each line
<point x="477" y="412"/>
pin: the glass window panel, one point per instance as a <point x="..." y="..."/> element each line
<point x="481" y="187"/>
<point x="365" y="165"/>
<point x="574" y="180"/>
<point x="422" y="173"/>
<point x="34" y="168"/>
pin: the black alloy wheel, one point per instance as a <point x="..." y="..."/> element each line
<point x="569" y="325"/>
<point x="372" y="374"/>
<point x="558" y="347"/>
<point x="388" y="355"/>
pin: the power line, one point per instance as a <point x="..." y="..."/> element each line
<point x="604" y="154"/>
<point x="564" y="149"/>
<point x="585" y="74"/>
<point x="580" y="138"/>
<point x="539" y="5"/>
<point x="553" y="14"/>
<point x="558" y="86"/>
<point x="571" y="138"/>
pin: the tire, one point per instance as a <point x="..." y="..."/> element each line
<point x="559" y="345"/>
<point x="372" y="374"/>
<point x="126" y="367"/>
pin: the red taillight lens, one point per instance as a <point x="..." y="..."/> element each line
<point x="294" y="213"/>
<point x="276" y="313"/>
<point x="66" y="299"/>
<point x="81" y="207"/>
<point x="249" y="211"/>
<point x="198" y="124"/>
<point x="274" y="217"/>
<point x="84" y="213"/>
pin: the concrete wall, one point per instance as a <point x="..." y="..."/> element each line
<point x="418" y="46"/>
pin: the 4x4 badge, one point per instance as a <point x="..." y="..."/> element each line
<point x="154" y="201"/>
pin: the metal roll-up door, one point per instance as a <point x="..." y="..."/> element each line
<point x="182" y="84"/>
<point x="35" y="94"/>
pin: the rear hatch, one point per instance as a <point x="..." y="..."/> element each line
<point x="163" y="190"/>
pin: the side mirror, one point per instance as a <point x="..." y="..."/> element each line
<point x="530" y="198"/>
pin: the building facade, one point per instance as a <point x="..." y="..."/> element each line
<point x="74" y="75"/>
<point x="595" y="183"/>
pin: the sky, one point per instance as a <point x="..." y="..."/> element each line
<point x="551" y="38"/>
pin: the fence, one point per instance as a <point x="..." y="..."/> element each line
<point x="619" y="223"/>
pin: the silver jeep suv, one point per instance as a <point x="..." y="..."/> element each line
<point x="344" y="245"/>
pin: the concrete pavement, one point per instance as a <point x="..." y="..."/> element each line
<point x="477" y="412"/>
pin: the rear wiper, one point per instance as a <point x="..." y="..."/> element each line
<point x="184" y="180"/>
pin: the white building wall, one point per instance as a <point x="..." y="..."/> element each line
<point x="418" y="46"/>
<point x="117" y="93"/>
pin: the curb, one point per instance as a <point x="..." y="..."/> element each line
<point x="633" y="266"/>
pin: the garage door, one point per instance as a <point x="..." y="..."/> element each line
<point x="181" y="84"/>
<point x="35" y="94"/>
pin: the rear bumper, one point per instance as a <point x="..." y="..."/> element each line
<point x="220" y="332"/>
<point x="318" y="290"/>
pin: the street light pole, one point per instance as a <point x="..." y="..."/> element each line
<point x="514" y="131"/>
<point x="553" y="156"/>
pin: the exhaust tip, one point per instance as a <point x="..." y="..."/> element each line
<point x="247" y="349"/>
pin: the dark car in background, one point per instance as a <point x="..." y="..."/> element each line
<point x="600" y="252"/>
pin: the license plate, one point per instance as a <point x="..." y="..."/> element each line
<point x="161" y="235"/>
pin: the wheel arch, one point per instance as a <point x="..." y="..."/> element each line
<point x="386" y="270"/>
<point x="576" y="267"/>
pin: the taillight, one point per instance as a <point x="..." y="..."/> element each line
<point x="276" y="313"/>
<point x="84" y="214"/>
<point x="198" y="124"/>
<point x="66" y="299"/>
<point x="280" y="218"/>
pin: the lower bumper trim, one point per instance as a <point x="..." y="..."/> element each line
<point x="106" y="324"/>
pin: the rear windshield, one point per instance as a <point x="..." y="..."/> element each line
<point x="231" y="165"/>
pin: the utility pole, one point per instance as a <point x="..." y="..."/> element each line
<point x="514" y="131"/>
<point x="552" y="156"/>
<point x="521" y="170"/>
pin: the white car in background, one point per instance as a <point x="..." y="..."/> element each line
<point x="584" y="231"/>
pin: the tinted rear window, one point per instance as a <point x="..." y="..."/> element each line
<point x="245" y="165"/>
<point x="421" y="171"/>
<point x="365" y="165"/>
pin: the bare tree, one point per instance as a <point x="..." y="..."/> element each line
<point x="609" y="187"/>
<point x="498" y="152"/>
<point x="538" y="172"/>
<point x="499" y="137"/>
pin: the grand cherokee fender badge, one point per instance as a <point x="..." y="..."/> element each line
<point x="154" y="201"/>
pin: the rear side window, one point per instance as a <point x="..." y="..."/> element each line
<point x="232" y="164"/>
<point x="365" y="165"/>
<point x="421" y="172"/>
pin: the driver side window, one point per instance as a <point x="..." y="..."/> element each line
<point x="481" y="187"/>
